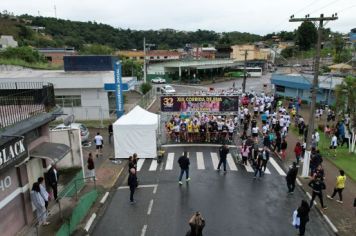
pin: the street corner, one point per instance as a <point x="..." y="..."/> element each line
<point x="108" y="173"/>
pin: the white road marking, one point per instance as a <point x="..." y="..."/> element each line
<point x="104" y="198"/>
<point x="150" y="207"/>
<point x="215" y="159"/>
<point x="155" y="189"/>
<point x="231" y="162"/>
<point x="140" y="164"/>
<point x="277" y="167"/>
<point x="267" y="171"/>
<point x="170" y="160"/>
<point x="330" y="223"/>
<point x="140" y="186"/>
<point x="249" y="167"/>
<point x="153" y="166"/>
<point x="299" y="183"/>
<point x="200" y="161"/>
<point x="310" y="197"/>
<point x="144" y="229"/>
<point x="90" y="222"/>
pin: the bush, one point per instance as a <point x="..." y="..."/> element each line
<point x="26" y="54"/>
<point x="145" y="87"/>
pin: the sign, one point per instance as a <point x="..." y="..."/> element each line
<point x="199" y="103"/>
<point x="12" y="152"/>
<point x="118" y="89"/>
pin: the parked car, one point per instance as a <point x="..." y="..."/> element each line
<point x="195" y="81"/>
<point x="167" y="89"/>
<point x="158" y="80"/>
<point x="84" y="132"/>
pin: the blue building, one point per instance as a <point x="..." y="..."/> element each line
<point x="297" y="85"/>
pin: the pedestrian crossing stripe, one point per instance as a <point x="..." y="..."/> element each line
<point x="200" y="163"/>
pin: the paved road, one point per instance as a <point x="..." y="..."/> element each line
<point x="232" y="204"/>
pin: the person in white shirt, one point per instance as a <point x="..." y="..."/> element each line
<point x="333" y="143"/>
<point x="255" y="132"/>
<point x="317" y="137"/>
<point x="43" y="191"/>
<point x="99" y="142"/>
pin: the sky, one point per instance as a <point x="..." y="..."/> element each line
<point x="253" y="16"/>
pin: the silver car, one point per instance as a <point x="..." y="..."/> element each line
<point x="84" y="132"/>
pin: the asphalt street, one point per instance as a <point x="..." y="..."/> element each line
<point x="232" y="203"/>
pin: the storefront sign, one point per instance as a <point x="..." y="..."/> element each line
<point x="12" y="152"/>
<point x="199" y="103"/>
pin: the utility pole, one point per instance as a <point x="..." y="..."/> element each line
<point x="144" y="60"/>
<point x="245" y="74"/>
<point x="314" y="88"/>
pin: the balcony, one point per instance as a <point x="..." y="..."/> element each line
<point x="24" y="100"/>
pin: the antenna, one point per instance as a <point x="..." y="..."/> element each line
<point x="55" y="11"/>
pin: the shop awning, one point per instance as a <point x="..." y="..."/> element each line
<point x="52" y="151"/>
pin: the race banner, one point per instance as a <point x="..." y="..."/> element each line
<point x="199" y="103"/>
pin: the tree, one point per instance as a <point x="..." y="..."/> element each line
<point x="307" y="35"/>
<point x="145" y="87"/>
<point x="132" y="68"/>
<point x="288" y="52"/>
<point x="26" y="54"/>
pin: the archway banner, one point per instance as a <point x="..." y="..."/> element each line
<point x="199" y="103"/>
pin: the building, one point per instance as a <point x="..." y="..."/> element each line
<point x="56" y="55"/>
<point x="223" y="51"/>
<point x="203" y="53"/>
<point x="89" y="95"/>
<point x="151" y="55"/>
<point x="7" y="41"/>
<point x="254" y="52"/>
<point x="297" y="85"/>
<point x="25" y="112"/>
<point x="342" y="68"/>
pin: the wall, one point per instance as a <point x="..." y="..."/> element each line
<point x="71" y="138"/>
<point x="95" y="103"/>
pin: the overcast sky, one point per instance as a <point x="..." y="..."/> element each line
<point x="254" y="16"/>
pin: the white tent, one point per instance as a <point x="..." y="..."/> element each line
<point x="135" y="132"/>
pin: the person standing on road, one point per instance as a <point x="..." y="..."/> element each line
<point x="317" y="186"/>
<point x="110" y="131"/>
<point x="291" y="177"/>
<point x="99" y="142"/>
<point x="52" y="176"/>
<point x="132" y="182"/>
<point x="303" y="214"/>
<point x="340" y="185"/>
<point x="265" y="159"/>
<point x="197" y="224"/>
<point x="245" y="150"/>
<point x="223" y="151"/>
<point x="258" y="165"/>
<point x="91" y="166"/>
<point x="184" y="163"/>
<point x="298" y="151"/>
<point x="284" y="146"/>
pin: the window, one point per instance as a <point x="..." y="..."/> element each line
<point x="32" y="135"/>
<point x="69" y="101"/>
<point x="281" y="89"/>
<point x="152" y="58"/>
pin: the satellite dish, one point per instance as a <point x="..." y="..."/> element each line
<point x="68" y="120"/>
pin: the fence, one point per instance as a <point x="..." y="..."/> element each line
<point x="79" y="212"/>
<point x="145" y="101"/>
<point x="20" y="101"/>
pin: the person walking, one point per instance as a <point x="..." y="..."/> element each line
<point x="39" y="204"/>
<point x="298" y="151"/>
<point x="303" y="214"/>
<point x="333" y="143"/>
<point x="132" y="182"/>
<point x="265" y="159"/>
<point x="43" y="192"/>
<point x="223" y="151"/>
<point x="52" y="176"/>
<point x="284" y="146"/>
<point x="99" y="142"/>
<point x="91" y="166"/>
<point x="291" y="177"/>
<point x="258" y="165"/>
<point x="245" y="151"/>
<point x="317" y="186"/>
<point x="340" y="185"/>
<point x="184" y="163"/>
<point x="197" y="224"/>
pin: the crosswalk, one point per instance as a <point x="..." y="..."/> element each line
<point x="203" y="161"/>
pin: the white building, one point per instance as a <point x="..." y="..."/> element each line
<point x="89" y="95"/>
<point x="7" y="41"/>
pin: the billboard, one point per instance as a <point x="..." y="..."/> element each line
<point x="199" y="103"/>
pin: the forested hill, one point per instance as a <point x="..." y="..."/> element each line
<point x="59" y="33"/>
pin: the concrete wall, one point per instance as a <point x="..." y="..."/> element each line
<point x="95" y="103"/>
<point x="71" y="138"/>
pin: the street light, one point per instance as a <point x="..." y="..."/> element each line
<point x="144" y="58"/>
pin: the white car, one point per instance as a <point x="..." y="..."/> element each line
<point x="167" y="89"/>
<point x="158" y="80"/>
<point x="84" y="132"/>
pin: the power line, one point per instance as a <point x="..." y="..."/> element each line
<point x="299" y="11"/>
<point x="325" y="6"/>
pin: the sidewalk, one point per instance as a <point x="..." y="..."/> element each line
<point x="343" y="216"/>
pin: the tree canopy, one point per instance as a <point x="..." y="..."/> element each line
<point x="306" y="35"/>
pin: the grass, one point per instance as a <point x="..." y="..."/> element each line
<point x="38" y="65"/>
<point x="343" y="160"/>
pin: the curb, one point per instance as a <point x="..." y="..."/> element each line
<point x="325" y="217"/>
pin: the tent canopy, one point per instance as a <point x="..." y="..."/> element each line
<point x="341" y="66"/>
<point x="135" y="132"/>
